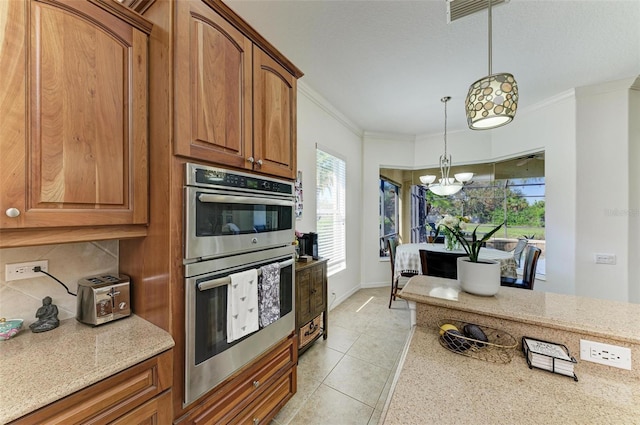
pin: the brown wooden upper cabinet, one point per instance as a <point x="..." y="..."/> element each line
<point x="73" y="101"/>
<point x="236" y="105"/>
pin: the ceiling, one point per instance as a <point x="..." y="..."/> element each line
<point x="386" y="64"/>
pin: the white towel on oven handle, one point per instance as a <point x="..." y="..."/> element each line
<point x="242" y="304"/>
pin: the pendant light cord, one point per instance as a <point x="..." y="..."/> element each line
<point x="490" y="49"/>
<point x="445" y="100"/>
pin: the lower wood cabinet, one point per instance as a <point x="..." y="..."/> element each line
<point x="311" y="302"/>
<point x="254" y="395"/>
<point x="140" y="394"/>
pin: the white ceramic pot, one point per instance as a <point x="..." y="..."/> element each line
<point x="482" y="278"/>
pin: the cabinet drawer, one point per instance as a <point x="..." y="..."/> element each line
<point x="234" y="396"/>
<point x="310" y="331"/>
<point x="156" y="411"/>
<point x="268" y="404"/>
<point x="109" y="399"/>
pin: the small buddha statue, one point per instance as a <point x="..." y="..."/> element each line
<point x="47" y="317"/>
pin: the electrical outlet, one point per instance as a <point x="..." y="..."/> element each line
<point x="610" y="355"/>
<point x="19" y="271"/>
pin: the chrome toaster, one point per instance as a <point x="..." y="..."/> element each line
<point x="103" y="298"/>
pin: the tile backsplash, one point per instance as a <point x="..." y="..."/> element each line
<point x="19" y="299"/>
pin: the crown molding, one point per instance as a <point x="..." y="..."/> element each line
<point x="324" y="104"/>
<point x="396" y="137"/>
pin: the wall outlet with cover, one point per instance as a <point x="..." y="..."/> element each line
<point x="606" y="354"/>
<point x="19" y="271"/>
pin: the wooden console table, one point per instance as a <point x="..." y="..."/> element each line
<point x="311" y="302"/>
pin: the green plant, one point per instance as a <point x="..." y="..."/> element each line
<point x="471" y="247"/>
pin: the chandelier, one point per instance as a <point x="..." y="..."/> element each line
<point x="446" y="185"/>
<point x="492" y="100"/>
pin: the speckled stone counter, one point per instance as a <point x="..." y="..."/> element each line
<point x="603" y="318"/>
<point x="38" y="369"/>
<point x="435" y="385"/>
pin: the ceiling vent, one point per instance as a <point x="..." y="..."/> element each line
<point x="457" y="9"/>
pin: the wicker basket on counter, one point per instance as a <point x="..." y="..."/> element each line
<point x="499" y="346"/>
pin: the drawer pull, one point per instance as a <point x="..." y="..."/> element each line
<point x="256" y="421"/>
<point x="256" y="384"/>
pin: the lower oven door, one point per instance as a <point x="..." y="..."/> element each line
<point x="209" y="358"/>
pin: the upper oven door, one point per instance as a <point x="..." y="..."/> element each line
<point x="220" y="223"/>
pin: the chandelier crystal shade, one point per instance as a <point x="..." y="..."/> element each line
<point x="492" y="100"/>
<point x="446" y="185"/>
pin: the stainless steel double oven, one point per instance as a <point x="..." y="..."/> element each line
<point x="234" y="222"/>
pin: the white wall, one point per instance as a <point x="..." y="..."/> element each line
<point x="388" y="151"/>
<point x="634" y="192"/>
<point x="591" y="138"/>
<point x="550" y="127"/>
<point x="319" y="124"/>
<point x="464" y="146"/>
<point x="603" y="180"/>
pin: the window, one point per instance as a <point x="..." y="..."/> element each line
<point x="389" y="213"/>
<point x="419" y="211"/>
<point x="331" y="206"/>
<point x="517" y="202"/>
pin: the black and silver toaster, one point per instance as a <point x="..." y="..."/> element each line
<point x="103" y="298"/>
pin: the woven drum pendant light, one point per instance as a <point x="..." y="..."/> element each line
<point x="492" y="100"/>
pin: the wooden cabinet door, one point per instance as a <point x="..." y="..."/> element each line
<point x="115" y="397"/>
<point x="318" y="295"/>
<point x="213" y="88"/>
<point x="73" y="98"/>
<point x="274" y="105"/>
<point x="303" y="297"/>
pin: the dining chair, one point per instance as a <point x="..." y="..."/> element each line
<point x="519" y="249"/>
<point x="424" y="269"/>
<point x="397" y="283"/>
<point x="441" y="264"/>
<point x="528" y="273"/>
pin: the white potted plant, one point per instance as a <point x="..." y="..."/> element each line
<point x="476" y="276"/>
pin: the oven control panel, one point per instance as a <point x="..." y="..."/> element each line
<point x="200" y="175"/>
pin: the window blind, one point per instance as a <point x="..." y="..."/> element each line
<point x="331" y="210"/>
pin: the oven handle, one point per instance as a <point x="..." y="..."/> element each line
<point x="235" y="199"/>
<point x="203" y="286"/>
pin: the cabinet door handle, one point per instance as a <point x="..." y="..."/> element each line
<point x="260" y="162"/>
<point x="12" y="212"/>
<point x="256" y="384"/>
<point x="256" y="421"/>
<point x="251" y="159"/>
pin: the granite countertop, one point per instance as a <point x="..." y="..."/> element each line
<point x="38" y="369"/>
<point x="608" y="319"/>
<point x="436" y="386"/>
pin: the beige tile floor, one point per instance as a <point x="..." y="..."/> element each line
<point x="346" y="378"/>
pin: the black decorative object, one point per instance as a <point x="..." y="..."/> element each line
<point x="47" y="317"/>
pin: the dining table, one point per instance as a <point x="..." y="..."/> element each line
<point x="408" y="257"/>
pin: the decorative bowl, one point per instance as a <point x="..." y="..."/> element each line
<point x="9" y="328"/>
